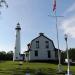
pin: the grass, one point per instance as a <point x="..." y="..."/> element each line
<point x="13" y="68"/>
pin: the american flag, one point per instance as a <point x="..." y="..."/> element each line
<point x="29" y="46"/>
<point x="54" y="5"/>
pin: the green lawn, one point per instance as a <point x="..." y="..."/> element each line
<point x="13" y="68"/>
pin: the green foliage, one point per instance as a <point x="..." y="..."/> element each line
<point x="63" y="56"/>
<point x="6" y="56"/>
<point x="71" y="52"/>
<point x="3" y="55"/>
<point x="9" y="55"/>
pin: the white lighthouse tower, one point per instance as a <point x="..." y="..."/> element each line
<point x="16" y="55"/>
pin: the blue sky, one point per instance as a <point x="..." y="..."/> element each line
<point x="33" y="18"/>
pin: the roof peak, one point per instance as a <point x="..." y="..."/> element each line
<point x="41" y="34"/>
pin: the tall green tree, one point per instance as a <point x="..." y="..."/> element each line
<point x="72" y="53"/>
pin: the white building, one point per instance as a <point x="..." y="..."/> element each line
<point x="17" y="52"/>
<point x="41" y="48"/>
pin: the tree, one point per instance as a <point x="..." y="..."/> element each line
<point x="72" y="53"/>
<point x="3" y="55"/>
<point x="9" y="55"/>
<point x="6" y="56"/>
<point x="63" y="56"/>
<point x="3" y="2"/>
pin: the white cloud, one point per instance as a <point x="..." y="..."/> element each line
<point x="68" y="24"/>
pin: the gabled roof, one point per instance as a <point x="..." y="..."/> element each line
<point x="42" y="34"/>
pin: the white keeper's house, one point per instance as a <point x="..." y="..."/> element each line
<point x="41" y="48"/>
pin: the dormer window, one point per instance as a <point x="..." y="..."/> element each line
<point x="37" y="44"/>
<point x="47" y="44"/>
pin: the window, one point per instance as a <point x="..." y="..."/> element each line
<point x="37" y="44"/>
<point x="47" y="44"/>
<point x="49" y="54"/>
<point x="36" y="53"/>
<point x="16" y="57"/>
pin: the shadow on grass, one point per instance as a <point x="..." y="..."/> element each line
<point x="22" y="71"/>
<point x="40" y="71"/>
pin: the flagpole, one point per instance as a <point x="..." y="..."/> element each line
<point x="59" y="53"/>
<point x="57" y="35"/>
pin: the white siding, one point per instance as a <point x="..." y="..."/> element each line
<point x="16" y="55"/>
<point x="42" y="50"/>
